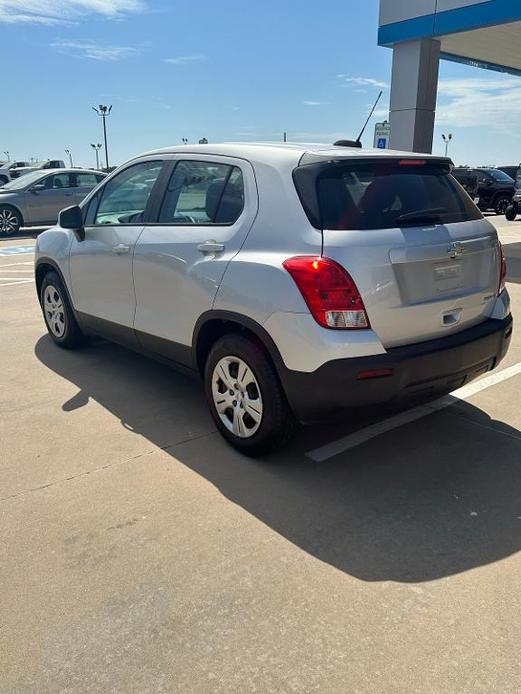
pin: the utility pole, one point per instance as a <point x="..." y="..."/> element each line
<point x="104" y="111"/>
<point x="69" y="154"/>
<point x="447" y="139"/>
<point x="285" y="136"/>
<point x="97" y="149"/>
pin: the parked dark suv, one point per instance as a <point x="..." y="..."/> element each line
<point x="495" y="188"/>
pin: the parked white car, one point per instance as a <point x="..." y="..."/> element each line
<point x="299" y="281"/>
<point x="7" y="168"/>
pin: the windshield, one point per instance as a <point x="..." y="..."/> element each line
<point x="500" y="176"/>
<point x="24" y="181"/>
<point x="382" y="194"/>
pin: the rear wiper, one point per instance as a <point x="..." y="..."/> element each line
<point x="430" y="215"/>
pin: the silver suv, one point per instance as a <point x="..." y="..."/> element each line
<point x="299" y="281"/>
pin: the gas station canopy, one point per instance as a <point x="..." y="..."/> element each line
<point x="481" y="33"/>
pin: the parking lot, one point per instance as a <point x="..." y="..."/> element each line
<point x="140" y="553"/>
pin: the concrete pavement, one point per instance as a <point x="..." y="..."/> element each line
<point x="139" y="553"/>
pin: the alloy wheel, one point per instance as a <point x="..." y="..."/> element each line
<point x="237" y="397"/>
<point x="9" y="221"/>
<point x="54" y="311"/>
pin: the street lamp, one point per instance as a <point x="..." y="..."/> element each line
<point x="184" y="140"/>
<point x="104" y="111"/>
<point x="7" y="155"/>
<point x="69" y="154"/>
<point x="97" y="148"/>
<point x="447" y="139"/>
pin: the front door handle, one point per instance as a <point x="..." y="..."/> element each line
<point x="121" y="249"/>
<point x="211" y="247"/>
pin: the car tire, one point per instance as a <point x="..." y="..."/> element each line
<point x="245" y="396"/>
<point x="501" y="204"/>
<point x="58" y="314"/>
<point x="10" y="220"/>
<point x="511" y="213"/>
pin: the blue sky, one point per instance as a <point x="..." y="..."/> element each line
<point x="233" y="70"/>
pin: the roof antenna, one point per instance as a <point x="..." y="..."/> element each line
<point x="358" y="141"/>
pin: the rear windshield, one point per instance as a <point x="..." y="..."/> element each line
<point x="382" y="194"/>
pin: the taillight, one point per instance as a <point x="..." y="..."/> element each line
<point x="502" y="269"/>
<point x="329" y="291"/>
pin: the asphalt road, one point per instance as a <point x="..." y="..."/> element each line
<point x="139" y="553"/>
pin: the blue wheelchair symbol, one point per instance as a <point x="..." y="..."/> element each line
<point x="382" y="143"/>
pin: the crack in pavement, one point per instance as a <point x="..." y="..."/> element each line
<point x="105" y="467"/>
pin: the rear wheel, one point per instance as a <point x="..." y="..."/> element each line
<point x="10" y="220"/>
<point x="58" y="314"/>
<point x="511" y="213"/>
<point x="502" y="203"/>
<point x="245" y="397"/>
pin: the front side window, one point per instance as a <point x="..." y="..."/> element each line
<point x="382" y="195"/>
<point x="501" y="177"/>
<point x="203" y="193"/>
<point x="125" y="197"/>
<point x="58" y="181"/>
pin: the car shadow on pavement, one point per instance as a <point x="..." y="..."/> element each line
<point x="431" y="499"/>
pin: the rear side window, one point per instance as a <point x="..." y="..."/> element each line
<point x="203" y="193"/>
<point x="86" y="180"/>
<point x="382" y="195"/>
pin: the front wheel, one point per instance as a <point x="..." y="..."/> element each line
<point x="58" y="314"/>
<point x="10" y="221"/>
<point x="502" y="203"/>
<point x="511" y="213"/>
<point x="245" y="397"/>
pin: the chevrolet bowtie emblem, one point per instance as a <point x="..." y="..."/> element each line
<point x="455" y="250"/>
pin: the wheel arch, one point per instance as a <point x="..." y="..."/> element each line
<point x="43" y="266"/>
<point x="213" y="325"/>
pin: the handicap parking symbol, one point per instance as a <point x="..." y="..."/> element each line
<point x="382" y="143"/>
<point x="16" y="250"/>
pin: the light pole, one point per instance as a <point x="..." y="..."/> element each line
<point x="97" y="148"/>
<point x="184" y="140"/>
<point x="69" y="154"/>
<point x="7" y="155"/>
<point x="447" y="139"/>
<point x="104" y="111"/>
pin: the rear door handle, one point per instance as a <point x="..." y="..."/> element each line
<point x="121" y="249"/>
<point x="211" y="247"/>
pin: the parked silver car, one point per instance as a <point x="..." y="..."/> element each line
<point x="37" y="198"/>
<point x="299" y="281"/>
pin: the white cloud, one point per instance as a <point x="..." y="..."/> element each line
<point x="185" y="59"/>
<point x="362" y="82"/>
<point x="480" y="102"/>
<point x="85" y="48"/>
<point x="53" y="12"/>
<point x="315" y="103"/>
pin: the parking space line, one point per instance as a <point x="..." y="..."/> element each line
<point x="13" y="264"/>
<point x="350" y="441"/>
<point x="18" y="281"/>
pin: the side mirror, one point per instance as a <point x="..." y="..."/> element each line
<point x="37" y="188"/>
<point x="72" y="218"/>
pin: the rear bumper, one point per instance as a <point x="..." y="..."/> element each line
<point x="419" y="372"/>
